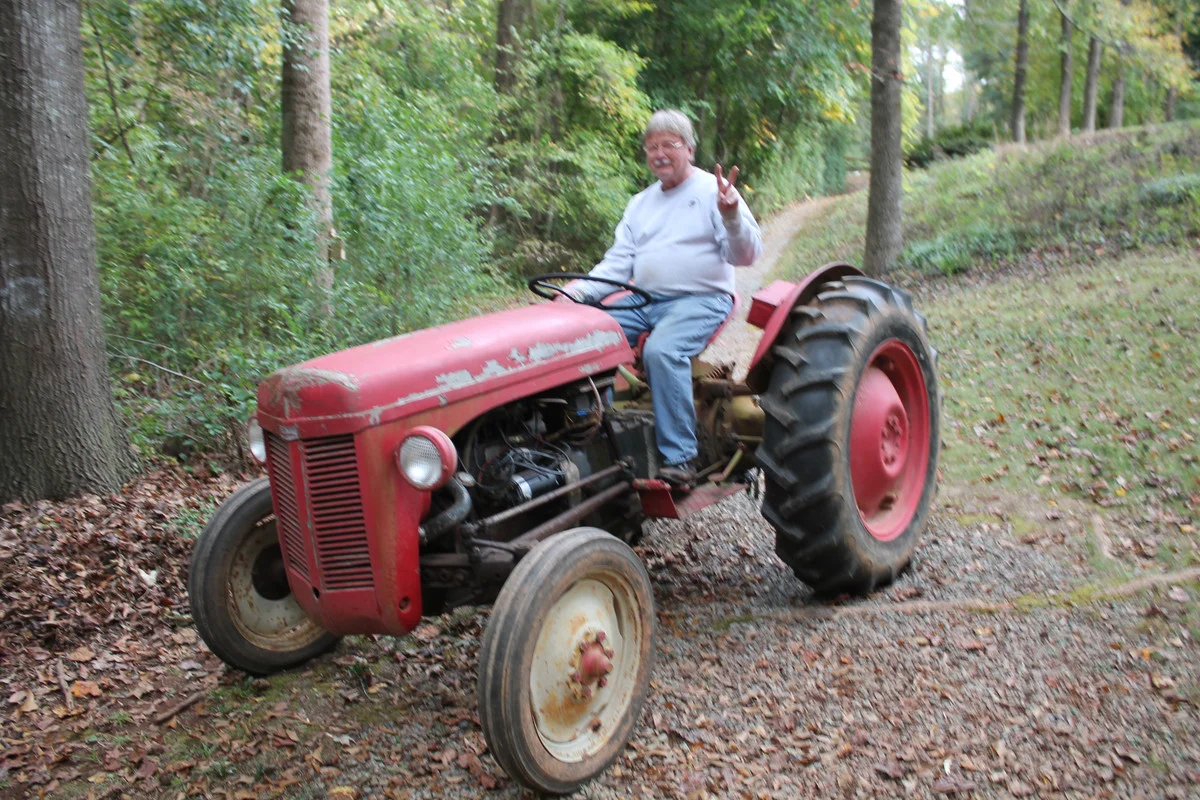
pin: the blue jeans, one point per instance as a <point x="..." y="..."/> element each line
<point x="680" y="326"/>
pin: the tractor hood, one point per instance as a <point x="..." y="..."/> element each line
<point x="529" y="349"/>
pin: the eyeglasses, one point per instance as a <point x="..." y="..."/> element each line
<point x="665" y="147"/>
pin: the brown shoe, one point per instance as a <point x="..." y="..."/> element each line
<point x="680" y="474"/>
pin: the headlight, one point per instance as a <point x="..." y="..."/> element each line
<point x="427" y="458"/>
<point x="258" y="444"/>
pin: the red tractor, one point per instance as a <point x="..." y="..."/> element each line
<point x="511" y="459"/>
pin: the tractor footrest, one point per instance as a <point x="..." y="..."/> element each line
<point x="662" y="501"/>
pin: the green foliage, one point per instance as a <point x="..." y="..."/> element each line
<point x="207" y="257"/>
<point x="1111" y="192"/>
<point x="797" y="169"/>
<point x="952" y="142"/>
<point x="755" y="76"/>
<point x="571" y="122"/>
<point x="1172" y="191"/>
<point x="961" y="250"/>
<point x="206" y="250"/>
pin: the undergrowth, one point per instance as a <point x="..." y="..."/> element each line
<point x="1085" y="196"/>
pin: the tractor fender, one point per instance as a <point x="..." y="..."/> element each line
<point x="773" y="305"/>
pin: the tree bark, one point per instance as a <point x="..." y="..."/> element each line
<point x="1090" y="84"/>
<point x="1116" y="106"/>
<point x="1066" y="67"/>
<point x="1022" y="65"/>
<point x="929" y="129"/>
<point x="884" y="231"/>
<point x="60" y="434"/>
<point x="509" y="16"/>
<point x="307" y="140"/>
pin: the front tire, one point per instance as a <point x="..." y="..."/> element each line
<point x="850" y="440"/>
<point x="238" y="590"/>
<point x="565" y="663"/>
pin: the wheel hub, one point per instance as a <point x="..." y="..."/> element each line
<point x="879" y="441"/>
<point x="592" y="664"/>
<point x="889" y="440"/>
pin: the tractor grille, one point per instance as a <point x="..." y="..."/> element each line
<point x="335" y="510"/>
<point x="284" y="485"/>
<point x="335" y="497"/>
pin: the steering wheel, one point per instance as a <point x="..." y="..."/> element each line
<point x="541" y="286"/>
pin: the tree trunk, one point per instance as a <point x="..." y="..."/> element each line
<point x="884" y="232"/>
<point x="509" y="16"/>
<point x="1090" y="85"/>
<point x="1064" y="86"/>
<point x="60" y="434"/>
<point x="929" y="130"/>
<point x="939" y="98"/>
<point x="307" y="114"/>
<point x="1018" y="106"/>
<point x="1116" y="107"/>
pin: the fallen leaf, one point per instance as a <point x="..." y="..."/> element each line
<point x="81" y="654"/>
<point x="953" y="785"/>
<point x="1179" y="594"/>
<point x="86" y="689"/>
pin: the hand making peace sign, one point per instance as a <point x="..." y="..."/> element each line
<point x="727" y="196"/>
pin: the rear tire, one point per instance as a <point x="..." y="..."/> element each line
<point x="850" y="440"/>
<point x="565" y="663"/>
<point x="241" y="602"/>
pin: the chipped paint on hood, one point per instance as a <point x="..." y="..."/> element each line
<point x="384" y="380"/>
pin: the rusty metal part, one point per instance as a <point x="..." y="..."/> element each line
<point x="447" y="570"/>
<point x="721" y="477"/>
<point x="591" y="666"/>
<point x="747" y="416"/>
<point x="568" y="518"/>
<point x="714" y="389"/>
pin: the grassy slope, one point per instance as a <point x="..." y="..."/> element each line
<point x="1112" y="191"/>
<point x="1069" y="332"/>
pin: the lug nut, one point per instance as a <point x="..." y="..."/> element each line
<point x="600" y="637"/>
<point x="608" y="652"/>
<point x="602" y="682"/>
<point x="575" y="676"/>
<point x="587" y="692"/>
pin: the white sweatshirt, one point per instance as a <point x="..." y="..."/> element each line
<point x="675" y="241"/>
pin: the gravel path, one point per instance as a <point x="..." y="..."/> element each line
<point x="995" y="667"/>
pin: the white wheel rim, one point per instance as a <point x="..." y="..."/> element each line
<point x="278" y="625"/>
<point x="574" y="715"/>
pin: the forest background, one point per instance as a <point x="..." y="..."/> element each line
<point x="475" y="144"/>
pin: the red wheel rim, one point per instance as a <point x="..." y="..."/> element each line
<point x="889" y="440"/>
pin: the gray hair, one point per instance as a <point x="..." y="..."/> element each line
<point x="668" y="120"/>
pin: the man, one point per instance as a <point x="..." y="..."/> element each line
<point x="679" y="240"/>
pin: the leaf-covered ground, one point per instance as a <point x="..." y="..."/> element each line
<point x="1044" y="644"/>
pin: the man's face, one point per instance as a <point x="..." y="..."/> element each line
<point x="668" y="158"/>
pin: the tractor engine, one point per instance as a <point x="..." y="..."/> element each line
<point x="521" y="452"/>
